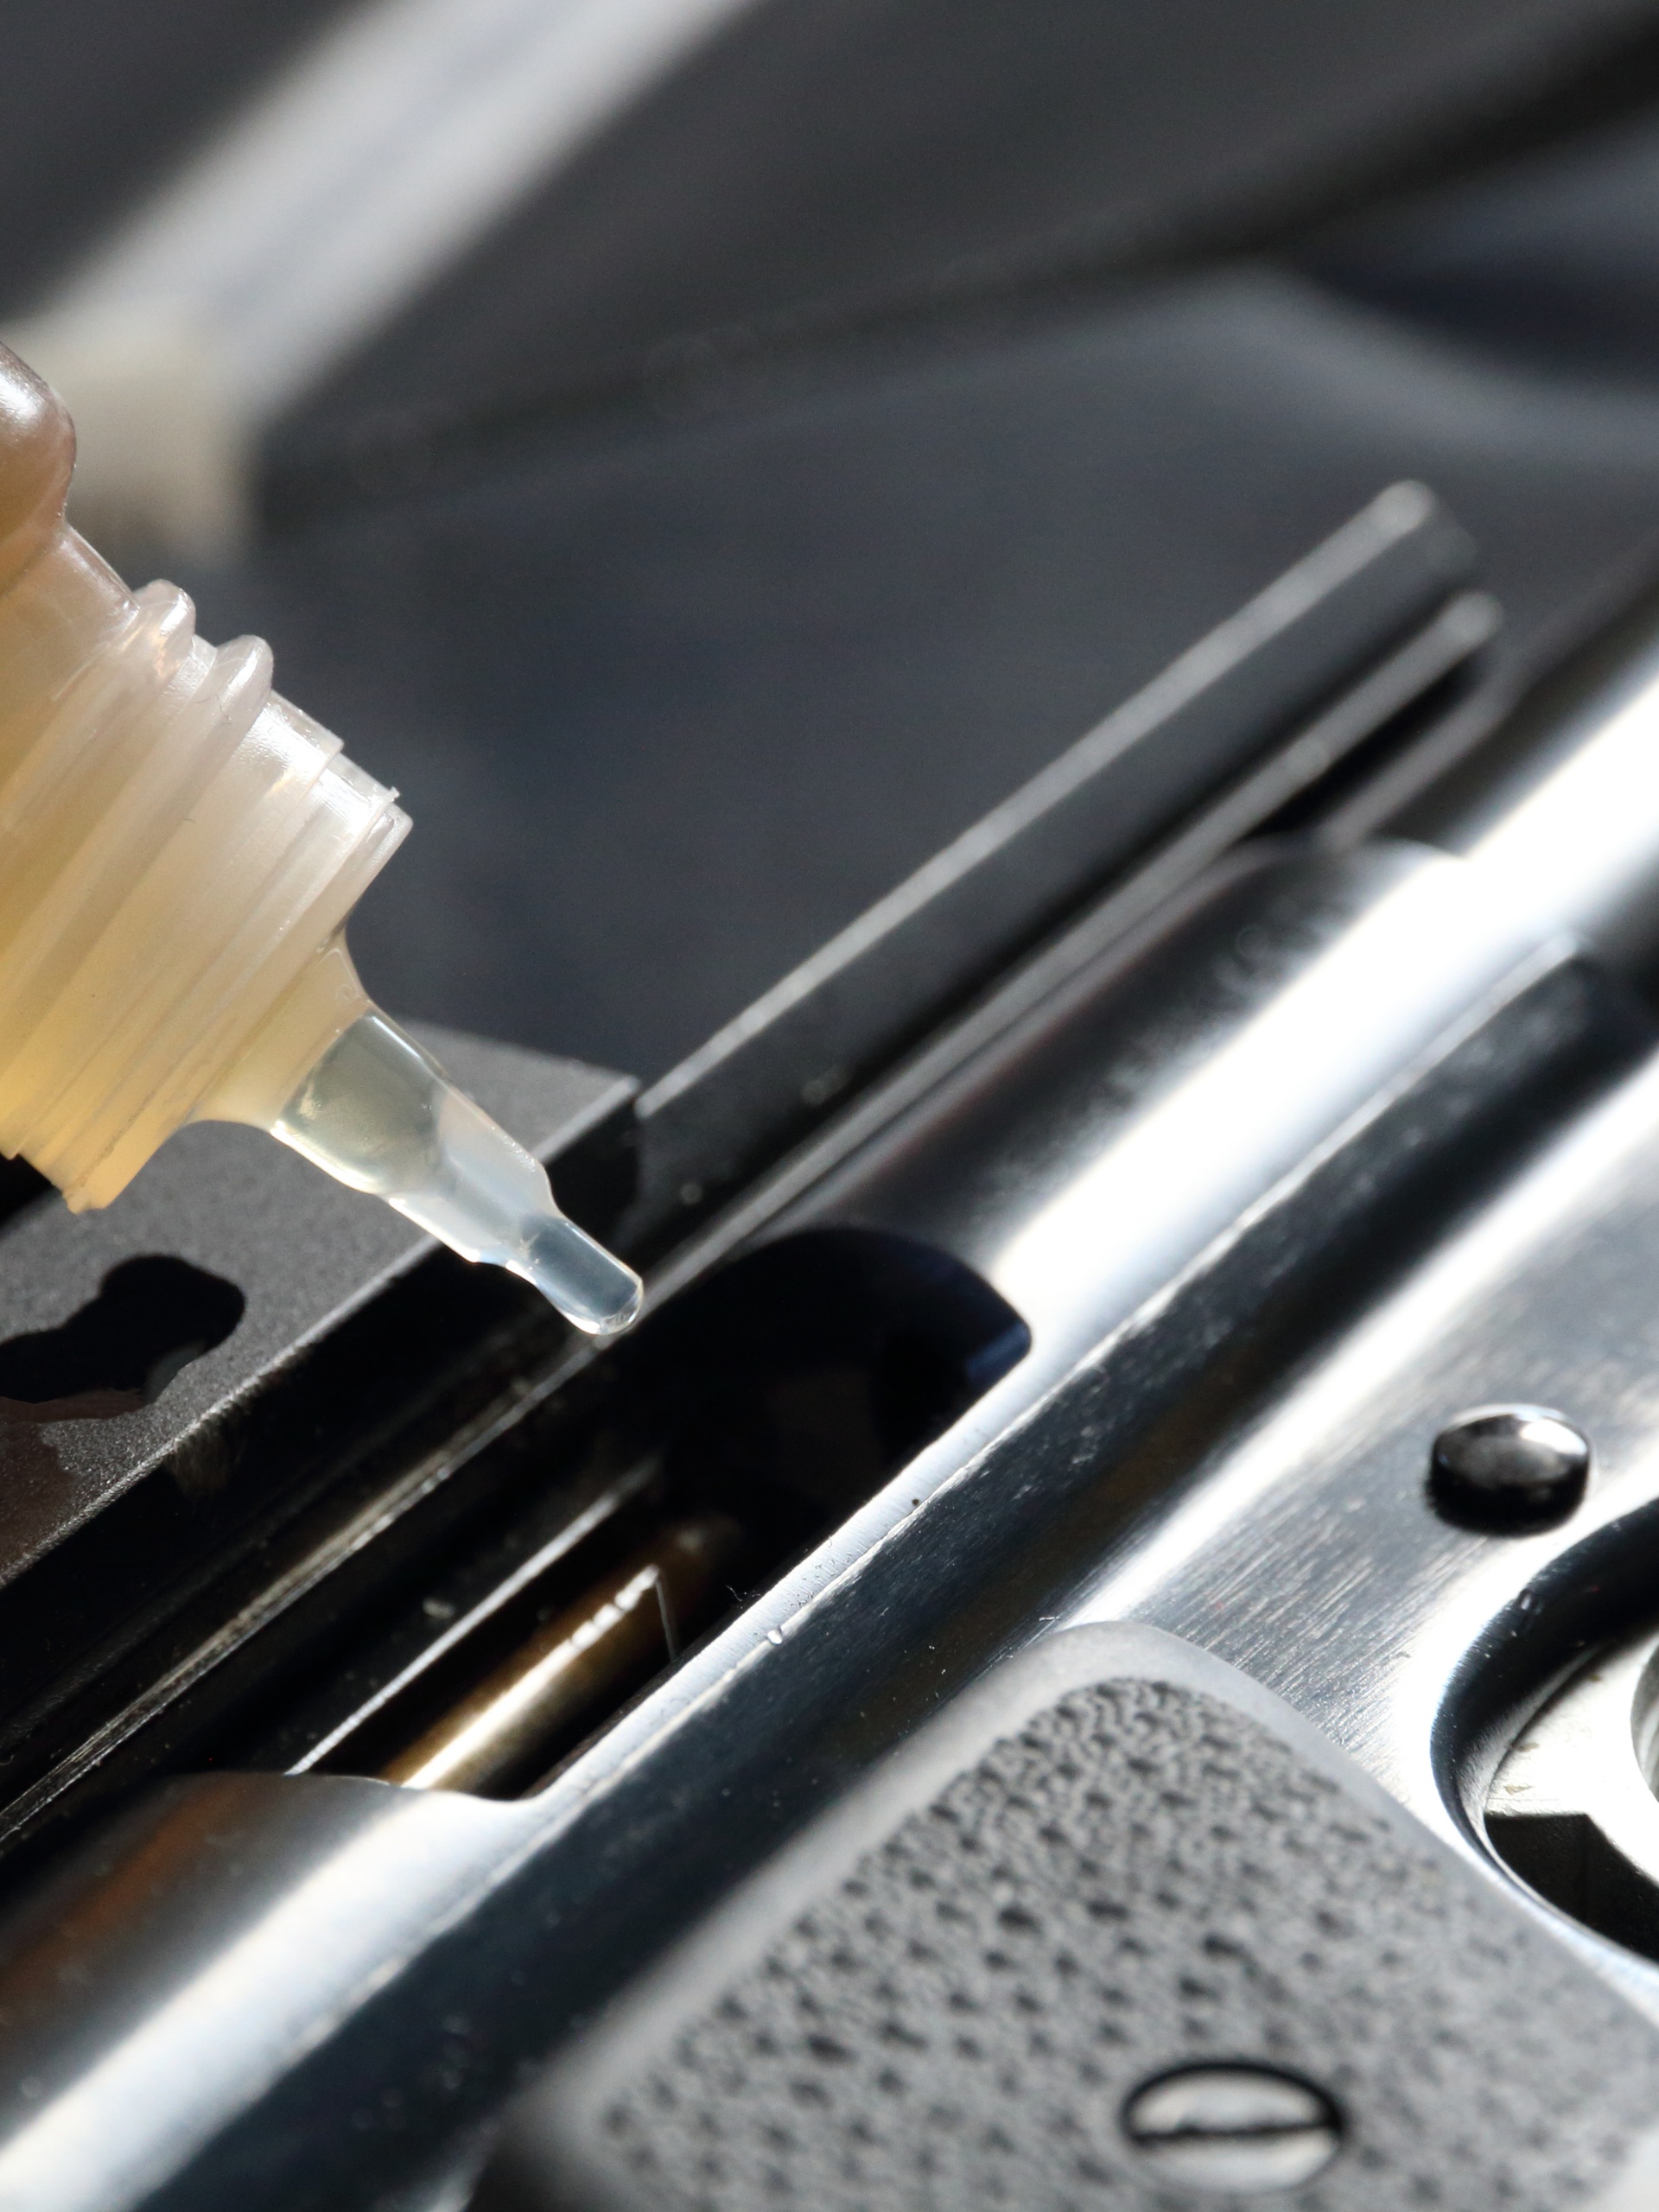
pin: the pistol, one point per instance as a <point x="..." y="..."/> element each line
<point x="1096" y="1644"/>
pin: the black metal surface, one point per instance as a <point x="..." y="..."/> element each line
<point x="132" y="1527"/>
<point x="1114" y="1865"/>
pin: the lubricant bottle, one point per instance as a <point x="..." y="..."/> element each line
<point x="180" y="851"/>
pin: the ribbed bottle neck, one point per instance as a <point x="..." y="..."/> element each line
<point x="179" y="848"/>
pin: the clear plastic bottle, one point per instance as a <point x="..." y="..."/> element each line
<point x="180" y="850"/>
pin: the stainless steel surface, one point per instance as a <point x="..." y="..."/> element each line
<point x="1572" y="1808"/>
<point x="1133" y="1119"/>
<point x="1239" y="2130"/>
<point x="1308" y="1552"/>
<point x="1561" y="813"/>
<point x="208" y="1938"/>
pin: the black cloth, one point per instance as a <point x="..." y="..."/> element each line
<point x="672" y="701"/>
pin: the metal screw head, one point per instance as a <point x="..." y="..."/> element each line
<point x="1508" y="1469"/>
<point x="1238" y="2129"/>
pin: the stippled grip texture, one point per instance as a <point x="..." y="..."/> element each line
<point x="1137" y="1878"/>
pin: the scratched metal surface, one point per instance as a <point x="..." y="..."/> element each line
<point x="1309" y="1554"/>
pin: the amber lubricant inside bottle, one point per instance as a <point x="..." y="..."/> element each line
<point x="180" y="850"/>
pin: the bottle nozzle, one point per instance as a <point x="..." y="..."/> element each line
<point x="180" y="851"/>
<point x="378" y="1113"/>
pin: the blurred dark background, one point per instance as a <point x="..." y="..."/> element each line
<point x="864" y="405"/>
